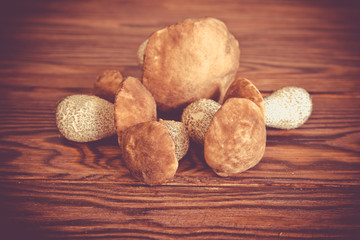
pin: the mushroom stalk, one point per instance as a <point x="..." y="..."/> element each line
<point x="288" y="108"/>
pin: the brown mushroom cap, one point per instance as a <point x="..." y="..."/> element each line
<point x="149" y="152"/>
<point x="236" y="138"/>
<point x="196" y="58"/>
<point x="244" y="88"/>
<point x="107" y="84"/>
<point x="133" y="104"/>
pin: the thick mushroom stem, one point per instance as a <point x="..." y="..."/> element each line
<point x="288" y="108"/>
<point x="180" y="136"/>
<point x="197" y="117"/>
<point x="85" y="118"/>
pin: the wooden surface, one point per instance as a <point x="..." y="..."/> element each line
<point x="306" y="186"/>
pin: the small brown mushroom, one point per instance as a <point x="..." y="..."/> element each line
<point x="244" y="88"/>
<point x="149" y="152"/>
<point x="236" y="138"/>
<point x="193" y="59"/>
<point x="133" y="104"/>
<point x="107" y="85"/>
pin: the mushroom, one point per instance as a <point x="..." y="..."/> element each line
<point x="197" y="116"/>
<point x="193" y="59"/>
<point x="133" y="104"/>
<point x="236" y="138"/>
<point x="85" y="118"/>
<point x="149" y="152"/>
<point x="107" y="84"/>
<point x="288" y="108"/>
<point x="244" y="88"/>
<point x="180" y="136"/>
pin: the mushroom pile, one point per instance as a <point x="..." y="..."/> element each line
<point x="189" y="67"/>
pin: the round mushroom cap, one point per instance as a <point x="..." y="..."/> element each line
<point x="85" y="118"/>
<point x="108" y="84"/>
<point x="196" y="58"/>
<point x="133" y="104"/>
<point x="244" y="88"/>
<point x="236" y="138"/>
<point x="197" y="117"/>
<point x="149" y="152"/>
<point x="179" y="135"/>
<point x="288" y="108"/>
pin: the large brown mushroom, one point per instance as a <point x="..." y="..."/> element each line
<point x="236" y="138"/>
<point x="193" y="59"/>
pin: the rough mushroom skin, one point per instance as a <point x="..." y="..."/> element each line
<point x="133" y="104"/>
<point x="288" y="108"/>
<point x="107" y="84"/>
<point x="85" y="118"/>
<point x="196" y="58"/>
<point x="197" y="117"/>
<point x="141" y="52"/>
<point x="244" y="88"/>
<point x="180" y="136"/>
<point x="149" y="152"/>
<point x="236" y="138"/>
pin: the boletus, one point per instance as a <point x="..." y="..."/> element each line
<point x="193" y="59"/>
<point x="236" y="138"/>
<point x="150" y="151"/>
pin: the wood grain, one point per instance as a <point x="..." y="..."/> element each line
<point x="306" y="186"/>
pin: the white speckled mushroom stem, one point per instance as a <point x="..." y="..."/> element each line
<point x="288" y="108"/>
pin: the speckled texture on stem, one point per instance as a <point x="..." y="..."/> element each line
<point x="197" y="117"/>
<point x="85" y="118"/>
<point x="180" y="136"/>
<point x="288" y="108"/>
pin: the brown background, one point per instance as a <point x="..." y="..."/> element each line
<point x="306" y="186"/>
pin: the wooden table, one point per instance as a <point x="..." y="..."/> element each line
<point x="306" y="186"/>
